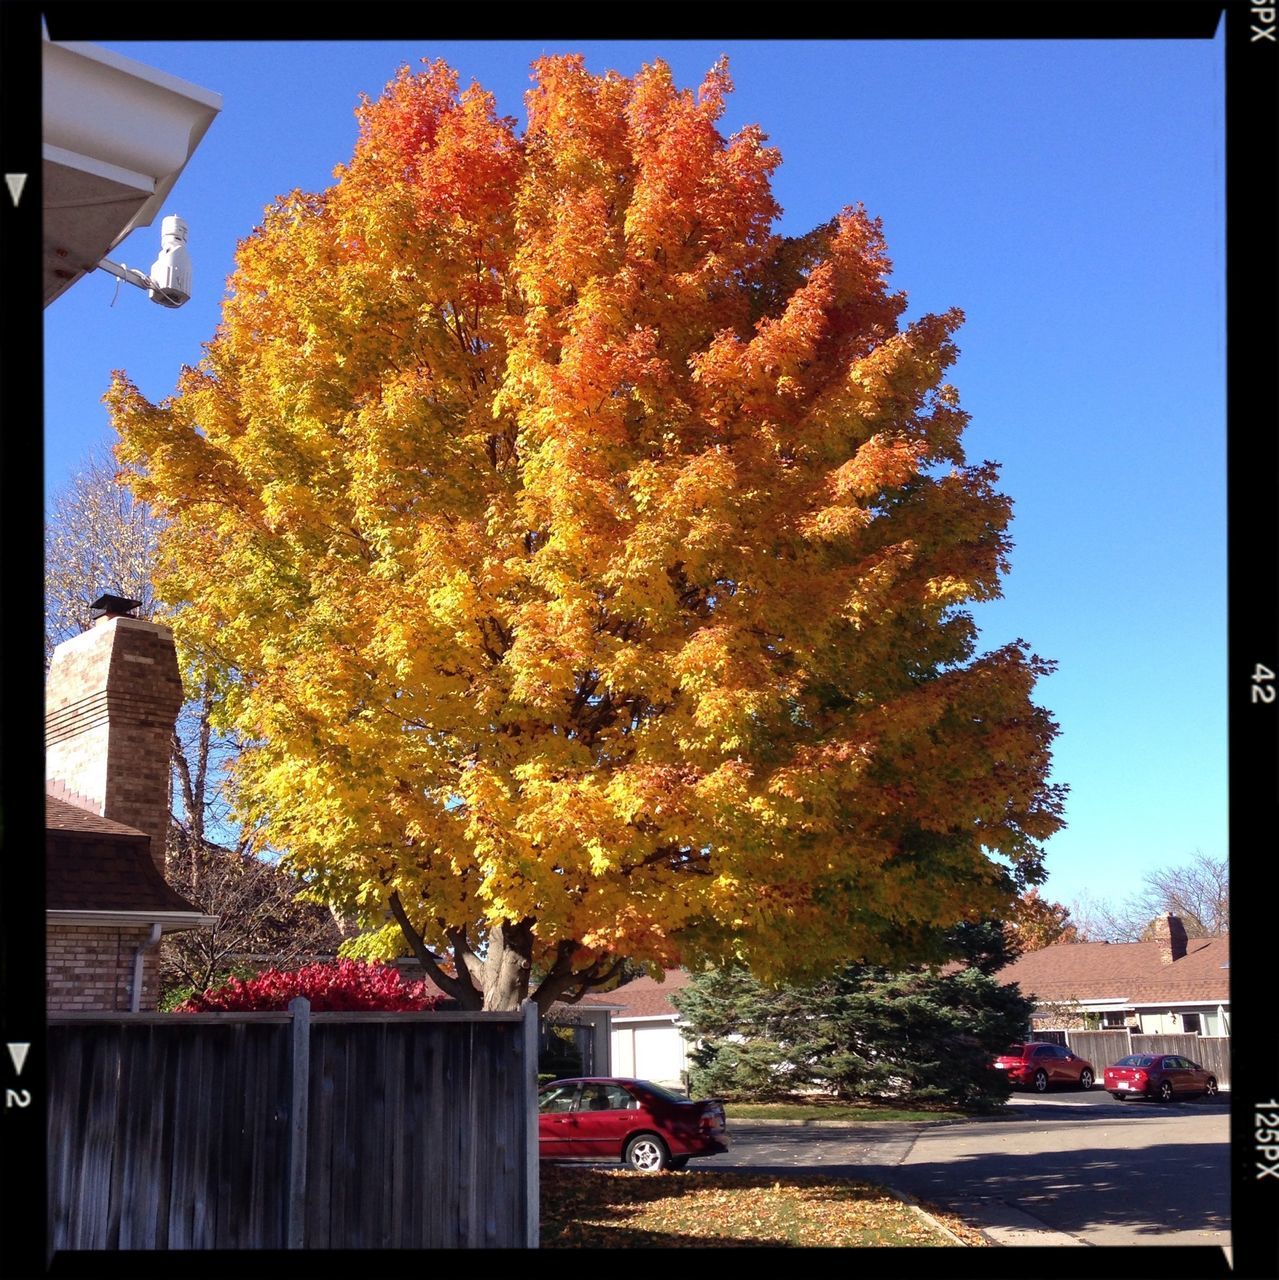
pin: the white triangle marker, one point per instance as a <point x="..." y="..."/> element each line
<point x="15" y="183"/>
<point x="18" y="1052"/>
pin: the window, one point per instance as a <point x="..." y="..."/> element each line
<point x="1190" y="1024"/>
<point x="1114" y="1020"/>
<point x="606" y="1097"/>
<point x="558" y="1098"/>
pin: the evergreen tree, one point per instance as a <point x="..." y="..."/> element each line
<point x="924" y="1034"/>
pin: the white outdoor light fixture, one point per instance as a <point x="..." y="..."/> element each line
<point x="169" y="283"/>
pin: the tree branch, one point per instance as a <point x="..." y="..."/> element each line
<point x="462" y="990"/>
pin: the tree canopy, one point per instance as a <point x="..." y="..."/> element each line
<point x="98" y="538"/>
<point x="587" y="562"/>
<point x="1035" y="922"/>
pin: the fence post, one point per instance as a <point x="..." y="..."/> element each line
<point x="300" y="1063"/>
<point x="532" y="1164"/>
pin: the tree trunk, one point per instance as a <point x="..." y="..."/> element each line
<point x="503" y="974"/>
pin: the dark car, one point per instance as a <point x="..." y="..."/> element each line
<point x="1036" y="1064"/>
<point x="1159" y="1075"/>
<point x="639" y="1123"/>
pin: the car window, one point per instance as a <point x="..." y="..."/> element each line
<point x="1171" y="1064"/>
<point x="1013" y="1051"/>
<point x="606" y="1097"/>
<point x="557" y="1097"/>
<point x="1059" y="1052"/>
<point x="660" y="1092"/>
<point x="1044" y="1051"/>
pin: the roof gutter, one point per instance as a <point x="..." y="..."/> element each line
<point x="165" y="921"/>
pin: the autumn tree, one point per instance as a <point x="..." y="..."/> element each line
<point x="99" y="538"/>
<point x="1035" y="923"/>
<point x="588" y="563"/>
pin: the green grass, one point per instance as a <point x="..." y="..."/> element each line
<point x="606" y="1208"/>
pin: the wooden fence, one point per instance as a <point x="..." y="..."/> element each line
<point x="1102" y="1048"/>
<point x="297" y="1130"/>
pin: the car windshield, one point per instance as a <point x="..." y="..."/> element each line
<point x="1135" y="1060"/>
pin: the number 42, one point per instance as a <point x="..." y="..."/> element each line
<point x="1263" y="689"/>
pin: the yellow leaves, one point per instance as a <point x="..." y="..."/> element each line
<point x="835" y="523"/>
<point x="573" y="545"/>
<point x="883" y="462"/>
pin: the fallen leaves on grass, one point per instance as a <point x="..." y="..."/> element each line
<point x="592" y="1208"/>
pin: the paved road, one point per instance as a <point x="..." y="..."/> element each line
<point x="1101" y="1171"/>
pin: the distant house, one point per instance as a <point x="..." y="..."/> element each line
<point x="112" y="695"/>
<point x="1172" y="985"/>
<point x="647" y="1040"/>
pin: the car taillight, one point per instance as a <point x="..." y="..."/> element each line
<point x="1139" y="1075"/>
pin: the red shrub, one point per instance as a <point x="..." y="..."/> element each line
<point x="344" y="987"/>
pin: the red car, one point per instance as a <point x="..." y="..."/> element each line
<point x="1036" y="1064"/>
<point x="633" y="1121"/>
<point x="1159" y="1075"/>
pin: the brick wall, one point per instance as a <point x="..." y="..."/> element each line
<point x="112" y="696"/>
<point x="89" y="969"/>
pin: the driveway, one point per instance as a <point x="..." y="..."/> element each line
<point x="1100" y="1171"/>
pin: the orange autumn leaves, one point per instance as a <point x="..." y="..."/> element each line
<point x="581" y="552"/>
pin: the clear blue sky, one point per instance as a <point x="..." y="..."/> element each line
<point x="1067" y="196"/>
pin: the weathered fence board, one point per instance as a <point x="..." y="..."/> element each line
<point x="1101" y="1048"/>
<point x="351" y="1131"/>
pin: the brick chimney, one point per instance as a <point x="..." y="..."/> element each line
<point x="1170" y="933"/>
<point x="111" y="699"/>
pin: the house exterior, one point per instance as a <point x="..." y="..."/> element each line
<point x="106" y="908"/>
<point x="116" y="136"/>
<point x="1173" y="985"/>
<point x="111" y="699"/>
<point x="647" y="1040"/>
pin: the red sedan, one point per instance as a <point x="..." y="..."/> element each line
<point x="633" y="1121"/>
<point x="1159" y="1075"/>
<point x="1037" y="1064"/>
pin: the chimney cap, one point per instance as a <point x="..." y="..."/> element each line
<point x="109" y="606"/>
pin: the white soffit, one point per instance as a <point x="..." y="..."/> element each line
<point x="116" y="136"/>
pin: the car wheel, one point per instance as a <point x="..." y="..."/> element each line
<point x="647" y="1153"/>
<point x="1210" y="1089"/>
<point x="1041" y="1081"/>
<point x="1085" y="1079"/>
<point x="677" y="1162"/>
<point x="1165" y="1091"/>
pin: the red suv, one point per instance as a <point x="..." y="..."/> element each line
<point x="629" y="1120"/>
<point x="1036" y="1064"/>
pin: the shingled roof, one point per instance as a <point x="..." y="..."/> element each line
<point x="644" y="997"/>
<point x="95" y="864"/>
<point x="1131" y="971"/>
